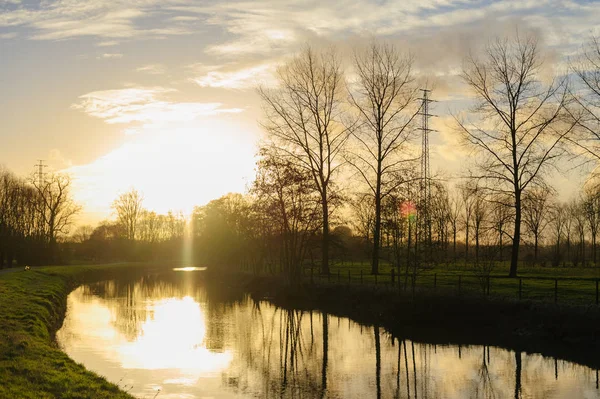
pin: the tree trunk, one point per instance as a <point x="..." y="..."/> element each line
<point x="325" y="242"/>
<point x="454" y="243"/>
<point x="501" y="247"/>
<point x="376" y="237"/>
<point x="594" y="247"/>
<point x="477" y="246"/>
<point x="466" y="243"/>
<point x="514" y="256"/>
<point x="535" y="250"/>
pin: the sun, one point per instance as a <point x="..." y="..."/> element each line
<point x="174" y="168"/>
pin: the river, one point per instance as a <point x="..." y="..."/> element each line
<point x="173" y="336"/>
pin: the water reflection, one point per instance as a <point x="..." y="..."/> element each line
<point x="189" y="340"/>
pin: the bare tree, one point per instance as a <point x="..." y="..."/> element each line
<point x="579" y="222"/>
<point x="586" y="109"/>
<point x="383" y="96"/>
<point x="82" y="233"/>
<point x="128" y="207"/>
<point x="364" y="216"/>
<point x="569" y="226"/>
<point x="304" y="122"/>
<point x="454" y="217"/>
<point x="559" y="216"/>
<point x="480" y="216"/>
<point x="468" y="203"/>
<point x="518" y="124"/>
<point x="500" y="218"/>
<point x="535" y="214"/>
<point x="55" y="206"/>
<point x="286" y="195"/>
<point x="591" y="211"/>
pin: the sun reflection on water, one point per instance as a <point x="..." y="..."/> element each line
<point x="174" y="338"/>
<point x="188" y="269"/>
<point x="167" y="336"/>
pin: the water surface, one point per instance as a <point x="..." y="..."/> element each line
<point x="172" y="336"/>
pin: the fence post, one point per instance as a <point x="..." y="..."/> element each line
<point x="338" y="275"/>
<point x="375" y="278"/>
<point x="312" y="281"/>
<point x="392" y="276"/>
<point x="349" y="276"/>
<point x="597" y="292"/>
<point x="488" y="286"/>
<point x="328" y="276"/>
<point x="555" y="290"/>
<point x="435" y="281"/>
<point x="520" y="288"/>
<point x="361" y="278"/>
<point x="459" y="283"/>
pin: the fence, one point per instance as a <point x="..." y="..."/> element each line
<point x="546" y="289"/>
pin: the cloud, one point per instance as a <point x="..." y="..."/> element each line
<point x="107" y="43"/>
<point x="105" y="19"/>
<point x="152" y="69"/>
<point x="243" y="78"/>
<point x="9" y="35"/>
<point x="144" y="105"/>
<point x="110" y="55"/>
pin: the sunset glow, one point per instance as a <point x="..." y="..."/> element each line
<point x="168" y="104"/>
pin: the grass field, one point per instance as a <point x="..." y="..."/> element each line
<point x="32" y="306"/>
<point x="575" y="286"/>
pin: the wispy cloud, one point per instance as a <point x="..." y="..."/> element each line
<point x="152" y="69"/>
<point x="107" y="43"/>
<point x="106" y="19"/>
<point x="242" y="78"/>
<point x="144" y="105"/>
<point x="110" y="55"/>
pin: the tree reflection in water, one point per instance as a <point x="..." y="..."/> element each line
<point x="238" y="347"/>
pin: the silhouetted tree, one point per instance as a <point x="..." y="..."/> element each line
<point x="286" y="195"/>
<point x="128" y="207"/>
<point x="558" y="214"/>
<point x="535" y="214"/>
<point x="303" y="118"/>
<point x="56" y="207"/>
<point x="586" y="107"/>
<point x="519" y="122"/>
<point x="383" y="96"/>
<point x="591" y="210"/>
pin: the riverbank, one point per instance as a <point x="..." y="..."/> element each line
<point x="563" y="331"/>
<point x="33" y="305"/>
<point x="32" y="309"/>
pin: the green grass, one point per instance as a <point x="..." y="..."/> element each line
<point x="32" y="306"/>
<point x="576" y="286"/>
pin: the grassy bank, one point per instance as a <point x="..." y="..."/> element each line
<point x="575" y="286"/>
<point x="32" y="307"/>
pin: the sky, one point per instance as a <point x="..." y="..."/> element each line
<point x="160" y="95"/>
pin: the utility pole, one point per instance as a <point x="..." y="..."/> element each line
<point x="425" y="180"/>
<point x="40" y="172"/>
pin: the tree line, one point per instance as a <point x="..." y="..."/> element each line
<point x="341" y="150"/>
<point x="34" y="214"/>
